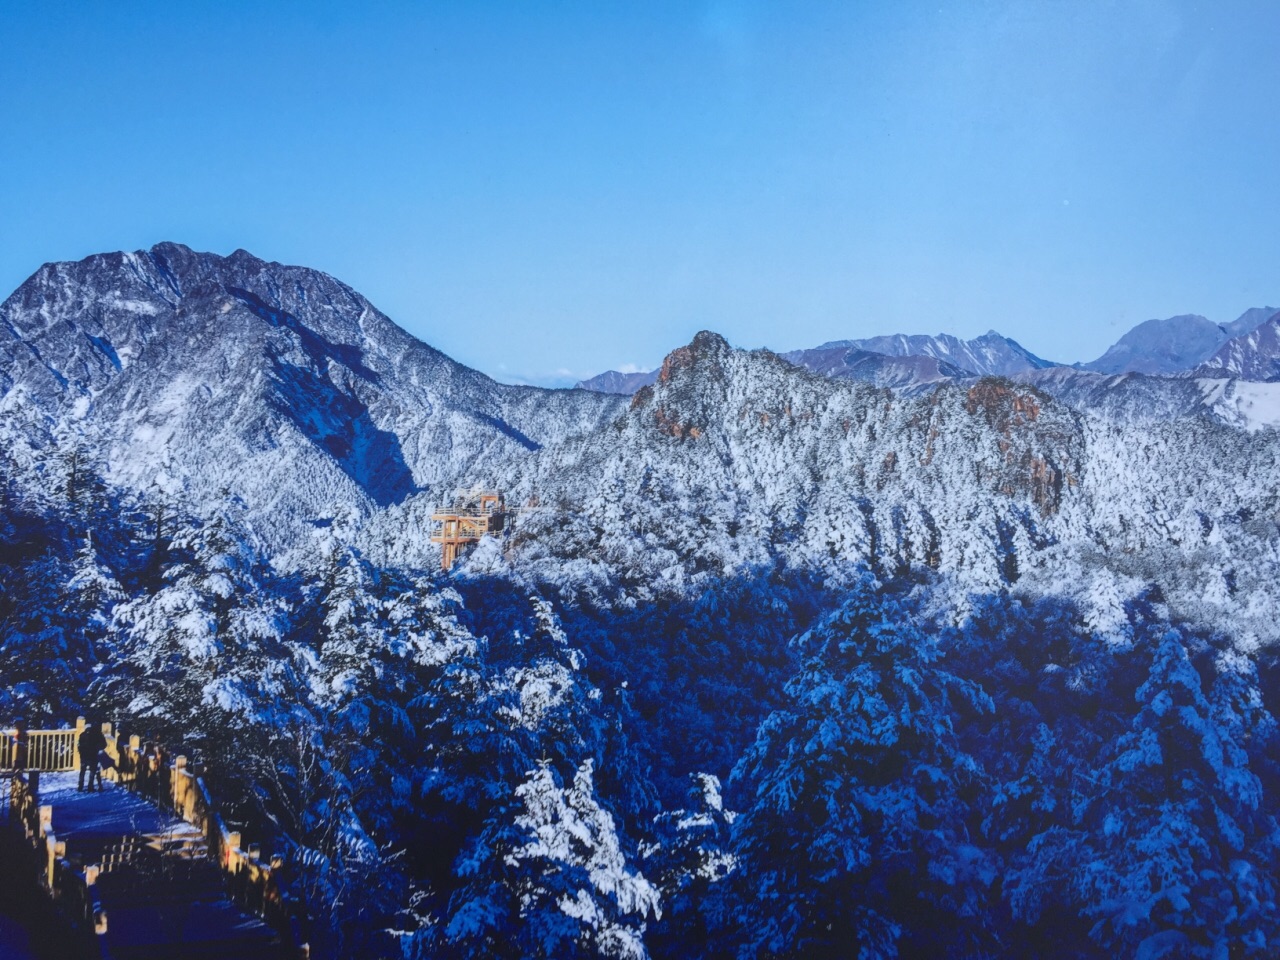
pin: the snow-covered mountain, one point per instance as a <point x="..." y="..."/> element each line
<point x="735" y="461"/>
<point x="1168" y="347"/>
<point x="898" y="361"/>
<point x="820" y="587"/>
<point x="1134" y="399"/>
<point x="1251" y="356"/>
<point x="1250" y="320"/>
<point x="194" y="373"/>
<point x="188" y="374"/>
<point x="1175" y="345"/>
<point x="1162" y="346"/>
<point x="989" y="354"/>
<point x="615" y="381"/>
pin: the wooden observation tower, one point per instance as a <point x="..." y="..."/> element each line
<point x="470" y="517"/>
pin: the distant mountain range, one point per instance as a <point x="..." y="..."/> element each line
<point x="614" y="381"/>
<point x="1177" y="346"/>
<point x="987" y="355"/>
<point x="190" y="377"/>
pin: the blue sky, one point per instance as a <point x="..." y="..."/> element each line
<point x="548" y="190"/>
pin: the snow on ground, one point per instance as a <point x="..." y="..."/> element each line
<point x="1245" y="403"/>
<point x="113" y="812"/>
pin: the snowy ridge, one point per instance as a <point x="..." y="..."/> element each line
<point x="736" y="461"/>
<point x="989" y="354"/>
<point x="1253" y="406"/>
<point x="1250" y="356"/>
<point x="192" y="374"/>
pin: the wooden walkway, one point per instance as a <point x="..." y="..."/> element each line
<point x="156" y="886"/>
<point x="116" y="874"/>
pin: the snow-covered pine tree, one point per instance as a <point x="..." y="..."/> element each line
<point x="856" y="813"/>
<point x="201" y="658"/>
<point x="1178" y="854"/>
<point x="91" y="595"/>
<point x="548" y="877"/>
<point x="689" y="860"/>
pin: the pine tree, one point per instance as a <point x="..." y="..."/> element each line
<point x="91" y="594"/>
<point x="690" y="860"/>
<point x="1178" y="853"/>
<point x="551" y="881"/>
<point x="201" y="658"/>
<point x="857" y="789"/>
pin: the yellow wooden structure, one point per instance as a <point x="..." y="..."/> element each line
<point x="252" y="879"/>
<point x="471" y="516"/>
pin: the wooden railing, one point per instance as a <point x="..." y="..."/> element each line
<point x="48" y="750"/>
<point x="253" y="884"/>
<point x="74" y="889"/>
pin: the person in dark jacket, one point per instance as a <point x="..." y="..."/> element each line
<point x="20" y="744"/>
<point x="92" y="742"/>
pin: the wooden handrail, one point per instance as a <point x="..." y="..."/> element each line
<point x="47" y="750"/>
<point x="253" y="884"/>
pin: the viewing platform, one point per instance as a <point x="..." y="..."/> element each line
<point x="462" y="523"/>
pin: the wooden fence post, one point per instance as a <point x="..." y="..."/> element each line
<point x="75" y="744"/>
<point x="45" y="837"/>
<point x="179" y="778"/>
<point x="51" y="859"/>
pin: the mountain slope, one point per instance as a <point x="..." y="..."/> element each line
<point x="615" y="381"/>
<point x="988" y="355"/>
<point x="1161" y="347"/>
<point x="199" y="373"/>
<point x="1250" y="356"/>
<point x="735" y="460"/>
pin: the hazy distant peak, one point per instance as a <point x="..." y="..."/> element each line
<point x="990" y="354"/>
<point x="615" y="381"/>
<point x="1164" y="346"/>
<point x="1250" y="320"/>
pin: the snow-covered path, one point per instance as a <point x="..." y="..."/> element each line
<point x="86" y="819"/>
<point x="161" y="895"/>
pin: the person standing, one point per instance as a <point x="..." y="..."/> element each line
<point x="20" y="744"/>
<point x="92" y="742"/>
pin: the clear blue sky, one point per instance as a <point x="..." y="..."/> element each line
<point x="546" y="190"/>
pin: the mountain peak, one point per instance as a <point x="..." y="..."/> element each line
<point x="1162" y="347"/>
<point x="709" y="340"/>
<point x="990" y="354"/>
<point x="276" y="368"/>
<point x="1251" y="356"/>
<point x="167" y="247"/>
<point x="705" y="347"/>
